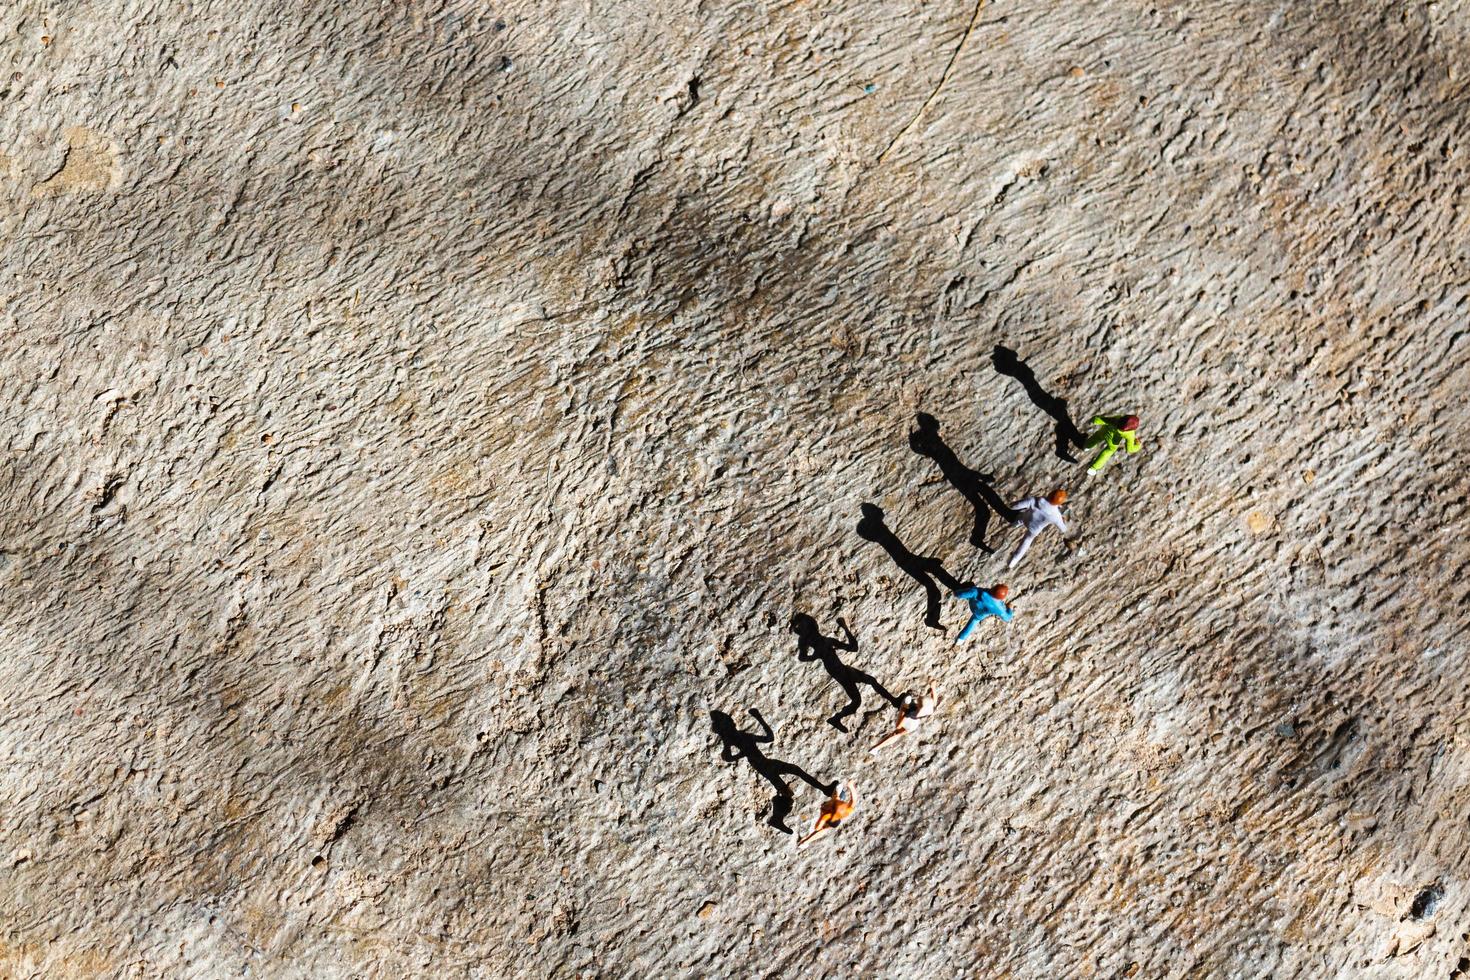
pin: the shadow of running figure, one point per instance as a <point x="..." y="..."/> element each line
<point x="975" y="487"/>
<point x="812" y="645"/>
<point x="739" y="744"/>
<point x="927" y="571"/>
<point x="1008" y="362"/>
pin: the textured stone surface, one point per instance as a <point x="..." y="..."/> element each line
<point x="420" y="416"/>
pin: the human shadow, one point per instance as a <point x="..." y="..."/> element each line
<point x="1008" y="362"/>
<point x="975" y="486"/>
<point x="812" y="645"/>
<point x="924" y="569"/>
<point x="738" y="744"/>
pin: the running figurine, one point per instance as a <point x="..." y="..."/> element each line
<point x="1118" y="431"/>
<point x="984" y="603"/>
<point x="911" y="710"/>
<point x="837" y="808"/>
<point x="1037" y="514"/>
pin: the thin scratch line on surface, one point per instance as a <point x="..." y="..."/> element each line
<point x="954" y="57"/>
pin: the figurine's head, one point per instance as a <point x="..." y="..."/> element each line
<point x="804" y="626"/>
<point x="1129" y="423"/>
<point x="723" y="725"/>
<point x="1001" y="591"/>
<point x="1057" y="498"/>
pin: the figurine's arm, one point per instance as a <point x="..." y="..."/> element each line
<point x="852" y="643"/>
<point x="770" y="735"/>
<point x="999" y="608"/>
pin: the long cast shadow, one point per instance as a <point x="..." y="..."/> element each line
<point x="738" y="744"/>
<point x="812" y="645"/>
<point x="975" y="486"/>
<point x="1008" y="362"/>
<point x="924" y="569"/>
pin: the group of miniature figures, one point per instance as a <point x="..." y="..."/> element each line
<point x="1034" y="515"/>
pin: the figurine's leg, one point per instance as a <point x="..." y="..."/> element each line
<point x="1102" y="459"/>
<point x="982" y="523"/>
<point x="854" y="701"/>
<point x="931" y="603"/>
<point x="1022" y="548"/>
<point x="969" y="628"/>
<point x="886" y="739"/>
<point x="820" y="830"/>
<point x="780" y="809"/>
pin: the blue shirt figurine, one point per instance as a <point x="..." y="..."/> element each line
<point x="984" y="603"/>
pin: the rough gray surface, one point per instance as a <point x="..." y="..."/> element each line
<point x="420" y="416"/>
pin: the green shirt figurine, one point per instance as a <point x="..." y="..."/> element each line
<point x="1117" y="432"/>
